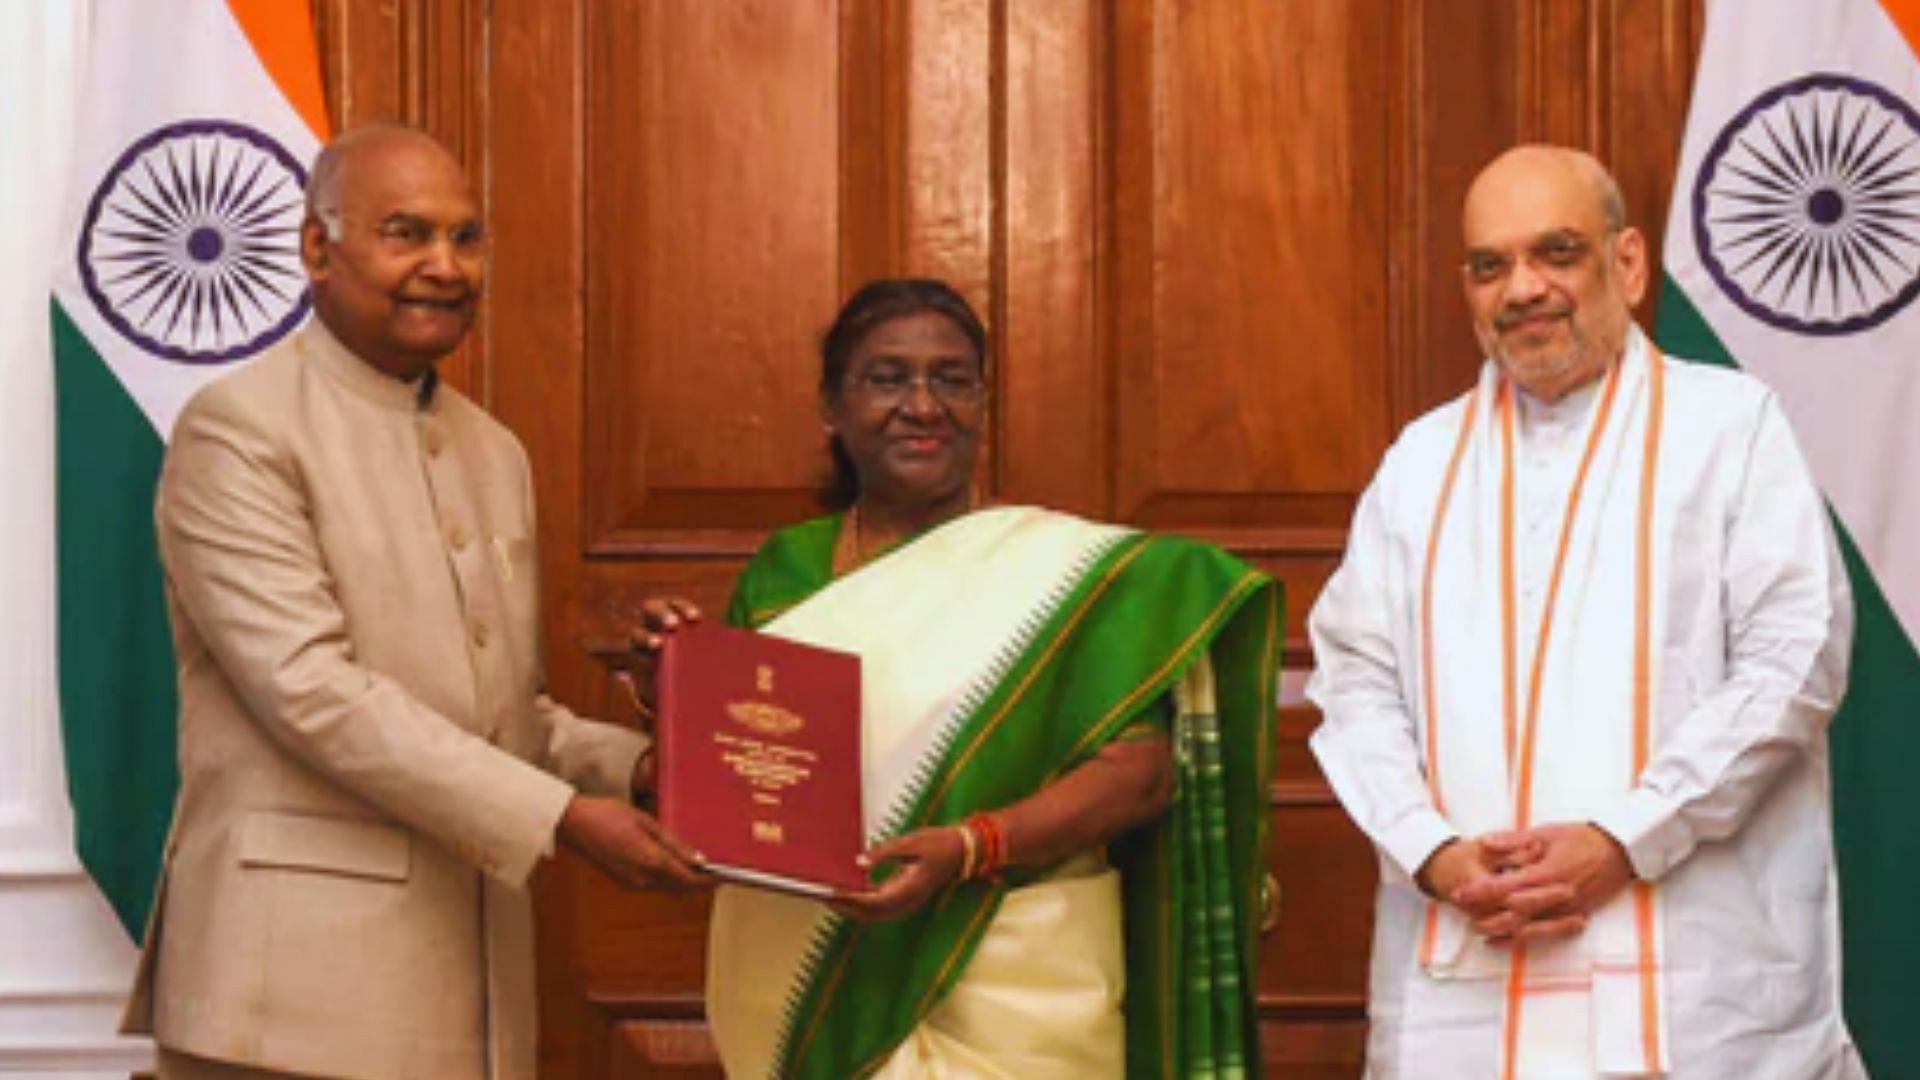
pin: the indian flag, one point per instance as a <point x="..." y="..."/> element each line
<point x="196" y="125"/>
<point x="1793" y="251"/>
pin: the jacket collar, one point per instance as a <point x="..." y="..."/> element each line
<point x="345" y="367"/>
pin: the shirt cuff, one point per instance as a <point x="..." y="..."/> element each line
<point x="1649" y="828"/>
<point x="1414" y="838"/>
<point x="600" y="757"/>
<point x="535" y="805"/>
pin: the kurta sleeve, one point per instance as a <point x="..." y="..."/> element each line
<point x="1789" y="625"/>
<point x="1368" y="743"/>
<point x="598" y="758"/>
<point x="244" y="562"/>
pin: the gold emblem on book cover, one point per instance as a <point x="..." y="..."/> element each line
<point x="765" y="717"/>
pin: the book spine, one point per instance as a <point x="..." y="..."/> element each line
<point x="666" y="672"/>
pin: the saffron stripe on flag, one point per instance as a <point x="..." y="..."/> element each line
<point x="1906" y="15"/>
<point x="287" y="50"/>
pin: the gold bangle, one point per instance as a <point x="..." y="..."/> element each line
<point x="970" y="845"/>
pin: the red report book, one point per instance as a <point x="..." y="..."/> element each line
<point x="759" y="744"/>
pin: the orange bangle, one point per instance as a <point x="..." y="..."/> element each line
<point x="993" y="845"/>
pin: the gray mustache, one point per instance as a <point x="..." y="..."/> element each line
<point x="1513" y="317"/>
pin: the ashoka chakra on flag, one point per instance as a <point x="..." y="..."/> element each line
<point x="1807" y="206"/>
<point x="190" y="247"/>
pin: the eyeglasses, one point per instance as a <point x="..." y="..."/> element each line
<point x="1556" y="252"/>
<point x="889" y="386"/>
<point x="410" y="234"/>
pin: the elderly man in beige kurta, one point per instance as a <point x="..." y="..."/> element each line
<point x="370" y="764"/>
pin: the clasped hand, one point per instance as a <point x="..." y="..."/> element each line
<point x="1542" y="882"/>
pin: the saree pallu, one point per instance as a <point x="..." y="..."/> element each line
<point x="1000" y="651"/>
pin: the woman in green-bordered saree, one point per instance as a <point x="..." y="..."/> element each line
<point x="1065" y="758"/>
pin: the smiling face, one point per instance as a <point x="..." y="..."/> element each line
<point x="395" y="252"/>
<point x="908" y="413"/>
<point x="1549" y="280"/>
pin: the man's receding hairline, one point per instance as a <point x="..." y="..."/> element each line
<point x="323" y="182"/>
<point x="1605" y="189"/>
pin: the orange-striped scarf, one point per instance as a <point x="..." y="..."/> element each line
<point x="1551" y="735"/>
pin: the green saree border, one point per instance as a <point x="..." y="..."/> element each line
<point x="793" y="564"/>
<point x="1175" y="599"/>
<point x="1246" y="655"/>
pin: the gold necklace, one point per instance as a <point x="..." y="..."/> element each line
<point x="857" y="556"/>
<point x="850" y="551"/>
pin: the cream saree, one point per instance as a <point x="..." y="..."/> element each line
<point x="1000" y="650"/>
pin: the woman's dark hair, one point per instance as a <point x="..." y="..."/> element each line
<point x="879" y="301"/>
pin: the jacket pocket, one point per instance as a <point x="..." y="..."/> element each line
<point x="328" y="845"/>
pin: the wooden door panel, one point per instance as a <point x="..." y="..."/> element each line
<point x="664" y="1049"/>
<point x="713" y="265"/>
<point x="1250" y="203"/>
<point x="1326" y="873"/>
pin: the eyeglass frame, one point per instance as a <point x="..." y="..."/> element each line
<point x="862" y="384"/>
<point x="1541" y="255"/>
<point x="402" y="233"/>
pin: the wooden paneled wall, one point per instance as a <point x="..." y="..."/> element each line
<point x="1215" y="241"/>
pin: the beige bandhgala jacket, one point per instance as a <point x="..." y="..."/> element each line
<point x="370" y="764"/>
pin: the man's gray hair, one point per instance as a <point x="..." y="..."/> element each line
<point x="323" y="191"/>
<point x="1613" y="206"/>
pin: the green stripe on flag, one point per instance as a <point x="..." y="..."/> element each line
<point x="117" y="694"/>
<point x="1875" y="738"/>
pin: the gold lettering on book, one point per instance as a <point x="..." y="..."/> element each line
<point x="769" y="832"/>
<point x="768" y="767"/>
<point x="765" y="717"/>
<point x="763" y="678"/>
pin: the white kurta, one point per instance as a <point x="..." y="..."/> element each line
<point x="1750" y="628"/>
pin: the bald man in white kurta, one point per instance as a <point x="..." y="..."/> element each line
<point x="1576" y="670"/>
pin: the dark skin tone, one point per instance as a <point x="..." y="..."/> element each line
<point x="396" y="276"/>
<point x="914" y="451"/>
